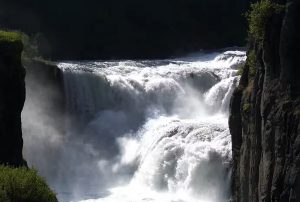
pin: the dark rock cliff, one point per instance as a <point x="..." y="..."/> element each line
<point x="44" y="108"/>
<point x="265" y="114"/>
<point x="12" y="97"/>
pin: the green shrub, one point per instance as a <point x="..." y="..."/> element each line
<point x="258" y="17"/>
<point x="251" y="64"/>
<point x="246" y="107"/>
<point x="23" y="185"/>
<point x="10" y="36"/>
<point x="22" y="41"/>
<point x="240" y="71"/>
<point x="3" y="196"/>
<point x="10" y="42"/>
<point x="251" y="60"/>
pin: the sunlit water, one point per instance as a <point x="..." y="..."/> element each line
<point x="153" y="130"/>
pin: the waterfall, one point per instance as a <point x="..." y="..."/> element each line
<point x="148" y="130"/>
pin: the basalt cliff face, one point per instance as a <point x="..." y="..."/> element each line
<point x="12" y="97"/>
<point x="44" y="102"/>
<point x="265" y="114"/>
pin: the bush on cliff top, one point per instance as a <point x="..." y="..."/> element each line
<point x="21" y="41"/>
<point x="10" y="36"/>
<point x="258" y="17"/>
<point x="10" y="42"/>
<point x="23" y="185"/>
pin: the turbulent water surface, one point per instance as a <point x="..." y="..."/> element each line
<point x="152" y="130"/>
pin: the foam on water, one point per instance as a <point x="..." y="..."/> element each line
<point x="152" y="130"/>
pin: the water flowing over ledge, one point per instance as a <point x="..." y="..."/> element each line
<point x="153" y="130"/>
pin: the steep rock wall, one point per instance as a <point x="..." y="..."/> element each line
<point x="12" y="97"/>
<point x="265" y="114"/>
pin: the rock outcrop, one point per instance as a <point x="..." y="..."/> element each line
<point x="265" y="113"/>
<point x="12" y="97"/>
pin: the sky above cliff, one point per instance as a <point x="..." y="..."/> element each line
<point x="127" y="29"/>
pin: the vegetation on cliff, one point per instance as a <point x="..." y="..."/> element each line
<point x="10" y="37"/>
<point x="28" y="44"/>
<point x="18" y="184"/>
<point x="10" y="42"/>
<point x="259" y="16"/>
<point x="264" y="123"/>
<point x="23" y="185"/>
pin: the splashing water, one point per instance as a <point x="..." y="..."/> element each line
<point x="153" y="130"/>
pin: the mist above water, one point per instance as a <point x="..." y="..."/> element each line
<point x="153" y="130"/>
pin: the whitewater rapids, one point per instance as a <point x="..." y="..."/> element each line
<point x="151" y="130"/>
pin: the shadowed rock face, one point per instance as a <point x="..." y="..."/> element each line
<point x="12" y="97"/>
<point x="265" y="116"/>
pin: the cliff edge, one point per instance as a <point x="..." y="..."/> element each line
<point x="12" y="98"/>
<point x="17" y="182"/>
<point x="265" y="108"/>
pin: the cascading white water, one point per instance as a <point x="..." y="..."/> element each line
<point x="152" y="130"/>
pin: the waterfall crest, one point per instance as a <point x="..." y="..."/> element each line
<point x="152" y="130"/>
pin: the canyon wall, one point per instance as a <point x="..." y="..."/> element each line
<point x="265" y="109"/>
<point x="12" y="97"/>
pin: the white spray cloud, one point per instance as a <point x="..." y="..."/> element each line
<point x="153" y="130"/>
